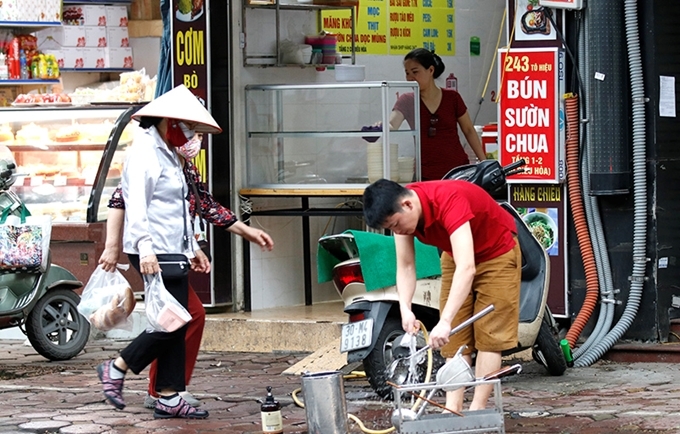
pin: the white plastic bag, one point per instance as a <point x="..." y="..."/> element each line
<point x="163" y="311"/>
<point x="107" y="300"/>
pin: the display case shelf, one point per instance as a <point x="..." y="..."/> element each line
<point x="98" y="2"/>
<point x="27" y="82"/>
<point x="67" y="179"/>
<point x="58" y="147"/>
<point x="33" y="25"/>
<point x="101" y="70"/>
<point x="294" y="7"/>
<point x="254" y="134"/>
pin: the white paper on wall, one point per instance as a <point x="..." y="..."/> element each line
<point x="667" y="96"/>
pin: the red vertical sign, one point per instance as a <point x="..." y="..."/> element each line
<point x="528" y="113"/>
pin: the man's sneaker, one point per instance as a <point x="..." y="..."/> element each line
<point x="189" y="398"/>
<point x="113" y="389"/>
<point x="181" y="410"/>
<point x="150" y="401"/>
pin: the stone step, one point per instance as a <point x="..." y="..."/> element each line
<point x="296" y="328"/>
<point x="285" y="329"/>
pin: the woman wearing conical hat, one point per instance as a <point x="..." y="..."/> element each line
<point x="157" y="222"/>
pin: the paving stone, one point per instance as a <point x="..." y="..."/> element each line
<point x="84" y="429"/>
<point x="604" y="398"/>
<point x="43" y="425"/>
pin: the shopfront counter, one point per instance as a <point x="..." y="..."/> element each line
<point x="248" y="195"/>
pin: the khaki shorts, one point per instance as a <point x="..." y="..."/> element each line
<point x="496" y="282"/>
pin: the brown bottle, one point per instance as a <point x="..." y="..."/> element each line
<point x="271" y="414"/>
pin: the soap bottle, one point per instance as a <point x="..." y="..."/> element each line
<point x="452" y="82"/>
<point x="271" y="414"/>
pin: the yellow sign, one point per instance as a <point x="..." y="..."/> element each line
<point x="395" y="27"/>
<point x="534" y="193"/>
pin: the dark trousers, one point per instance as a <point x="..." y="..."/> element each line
<point x="166" y="348"/>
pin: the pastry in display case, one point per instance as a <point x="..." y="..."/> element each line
<point x="70" y="161"/>
<point x="59" y="153"/>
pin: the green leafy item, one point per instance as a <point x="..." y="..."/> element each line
<point x="184" y="6"/>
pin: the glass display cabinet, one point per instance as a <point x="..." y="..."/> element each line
<point x="312" y="142"/>
<point x="328" y="135"/>
<point x="69" y="162"/>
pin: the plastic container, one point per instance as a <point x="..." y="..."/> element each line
<point x="316" y="41"/>
<point x="23" y="65"/>
<point x="4" y="71"/>
<point x="306" y="53"/>
<point x="317" y="56"/>
<point x="350" y="72"/>
<point x="329" y="47"/>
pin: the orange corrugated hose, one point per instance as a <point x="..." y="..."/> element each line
<point x="580" y="222"/>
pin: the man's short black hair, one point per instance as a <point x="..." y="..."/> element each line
<point x="381" y="201"/>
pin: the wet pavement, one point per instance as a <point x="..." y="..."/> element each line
<point x="39" y="396"/>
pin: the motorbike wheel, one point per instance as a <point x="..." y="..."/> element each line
<point x="547" y="351"/>
<point x="54" y="326"/>
<point x="377" y="362"/>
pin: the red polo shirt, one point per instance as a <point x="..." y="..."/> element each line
<point x="447" y="205"/>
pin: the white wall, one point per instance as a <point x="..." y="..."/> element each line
<point x="277" y="277"/>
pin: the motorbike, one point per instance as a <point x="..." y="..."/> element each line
<point x="43" y="305"/>
<point x="374" y="331"/>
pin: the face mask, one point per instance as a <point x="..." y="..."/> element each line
<point x="190" y="149"/>
<point x="178" y="133"/>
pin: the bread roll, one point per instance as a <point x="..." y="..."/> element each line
<point x="129" y="303"/>
<point x="114" y="313"/>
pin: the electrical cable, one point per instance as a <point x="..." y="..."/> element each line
<point x="639" y="189"/>
<point x="548" y="13"/>
<point x="580" y="222"/>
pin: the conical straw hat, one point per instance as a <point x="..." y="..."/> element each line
<point x="181" y="104"/>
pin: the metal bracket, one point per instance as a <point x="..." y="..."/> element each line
<point x="640" y="259"/>
<point x="638" y="279"/>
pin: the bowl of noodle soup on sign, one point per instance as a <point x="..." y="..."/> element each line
<point x="542" y="227"/>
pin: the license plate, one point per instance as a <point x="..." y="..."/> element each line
<point x="356" y="335"/>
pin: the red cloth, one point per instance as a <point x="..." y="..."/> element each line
<point x="447" y="205"/>
<point x="444" y="151"/>
<point x="192" y="341"/>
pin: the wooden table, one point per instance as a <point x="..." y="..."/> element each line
<point x="305" y="211"/>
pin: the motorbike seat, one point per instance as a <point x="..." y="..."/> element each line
<point x="531" y="258"/>
<point x="534" y="268"/>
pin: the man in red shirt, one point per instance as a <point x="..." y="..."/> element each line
<point x="481" y="265"/>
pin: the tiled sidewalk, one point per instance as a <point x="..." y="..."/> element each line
<point x="47" y="397"/>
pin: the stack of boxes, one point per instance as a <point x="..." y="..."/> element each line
<point x="92" y="36"/>
<point x="31" y="11"/>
